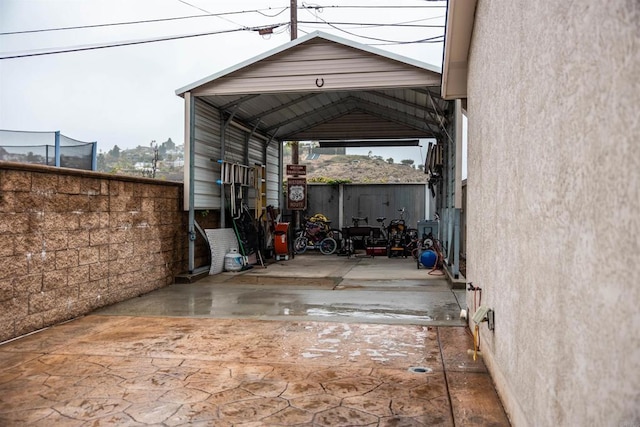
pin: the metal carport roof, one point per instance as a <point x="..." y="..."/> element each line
<point x="324" y="87"/>
<point x="317" y="87"/>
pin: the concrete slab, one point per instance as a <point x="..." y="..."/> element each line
<point x="121" y="370"/>
<point x="360" y="304"/>
<point x="335" y="347"/>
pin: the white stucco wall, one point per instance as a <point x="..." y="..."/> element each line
<point x="554" y="206"/>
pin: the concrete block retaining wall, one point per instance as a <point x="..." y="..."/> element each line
<point x="73" y="241"/>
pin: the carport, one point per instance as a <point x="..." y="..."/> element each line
<point x="319" y="87"/>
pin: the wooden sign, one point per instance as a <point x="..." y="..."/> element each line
<point x="297" y="194"/>
<point x="296" y="170"/>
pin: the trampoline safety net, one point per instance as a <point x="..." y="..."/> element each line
<point x="40" y="148"/>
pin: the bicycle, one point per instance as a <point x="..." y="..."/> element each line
<point x="334" y="233"/>
<point x="316" y="234"/>
<point x="398" y="238"/>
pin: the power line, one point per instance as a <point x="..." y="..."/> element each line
<point x="319" y="7"/>
<point x="169" y="38"/>
<point x="407" y="24"/>
<point x="208" y="15"/>
<point x="434" y="39"/>
<point x="390" y="43"/>
<point x="146" y="21"/>
<point x="365" y="24"/>
<point x="195" y="7"/>
<point x="333" y="25"/>
<point x="131" y="43"/>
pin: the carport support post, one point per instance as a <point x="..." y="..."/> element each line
<point x="295" y="159"/>
<point x="340" y="206"/>
<point x="295" y="156"/>
<point x="191" y="129"/>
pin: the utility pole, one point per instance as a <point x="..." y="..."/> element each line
<point x="295" y="155"/>
<point x="294" y="19"/>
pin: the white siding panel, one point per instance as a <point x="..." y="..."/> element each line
<point x="313" y="68"/>
<point x="318" y="51"/>
<point x="273" y="177"/>
<point x="207" y="147"/>
<point x="307" y="83"/>
<point x="234" y="150"/>
<point x="238" y="150"/>
<point x="341" y="67"/>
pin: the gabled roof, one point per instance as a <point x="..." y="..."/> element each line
<point x="302" y="40"/>
<point x="321" y="86"/>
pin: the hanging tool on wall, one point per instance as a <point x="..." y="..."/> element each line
<point x="248" y="237"/>
<point x="260" y="189"/>
<point x="237" y="177"/>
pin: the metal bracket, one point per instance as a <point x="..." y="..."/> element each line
<point x="491" y="320"/>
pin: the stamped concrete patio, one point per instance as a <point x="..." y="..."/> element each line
<point x="314" y="341"/>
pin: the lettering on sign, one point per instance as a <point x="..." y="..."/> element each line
<point x="297" y="194"/>
<point x="296" y="169"/>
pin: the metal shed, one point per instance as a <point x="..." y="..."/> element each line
<point x="318" y="87"/>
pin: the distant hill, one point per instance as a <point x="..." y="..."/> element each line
<point x="360" y="169"/>
<point x="320" y="168"/>
<point x="139" y="161"/>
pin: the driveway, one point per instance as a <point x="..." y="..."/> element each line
<point x="313" y="341"/>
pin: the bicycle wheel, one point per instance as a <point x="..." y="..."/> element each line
<point x="300" y="244"/>
<point x="328" y="246"/>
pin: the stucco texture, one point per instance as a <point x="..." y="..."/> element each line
<point x="554" y="206"/>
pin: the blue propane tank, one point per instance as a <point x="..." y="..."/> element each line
<point x="428" y="258"/>
<point x="233" y="261"/>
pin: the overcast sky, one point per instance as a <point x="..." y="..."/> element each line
<point x="126" y="95"/>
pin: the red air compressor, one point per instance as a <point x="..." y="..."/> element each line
<point x="281" y="241"/>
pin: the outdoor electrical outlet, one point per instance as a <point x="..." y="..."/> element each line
<point x="480" y="314"/>
<point x="491" y="320"/>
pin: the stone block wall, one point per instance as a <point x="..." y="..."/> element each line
<point x="73" y="241"/>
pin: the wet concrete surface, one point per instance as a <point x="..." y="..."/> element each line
<point x="355" y="345"/>
<point x="362" y="304"/>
